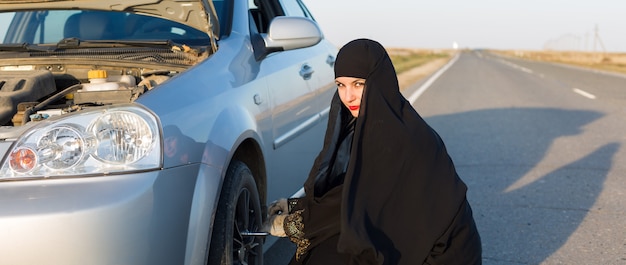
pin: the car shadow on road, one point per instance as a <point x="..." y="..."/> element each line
<point x="528" y="198"/>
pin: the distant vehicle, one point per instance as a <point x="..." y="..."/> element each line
<point x="154" y="132"/>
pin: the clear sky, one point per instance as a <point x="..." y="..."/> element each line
<point x="498" y="24"/>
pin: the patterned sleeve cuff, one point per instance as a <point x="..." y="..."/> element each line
<point x="294" y="229"/>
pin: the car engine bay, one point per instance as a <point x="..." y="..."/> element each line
<point x="37" y="92"/>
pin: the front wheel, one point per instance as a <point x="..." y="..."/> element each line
<point x="238" y="212"/>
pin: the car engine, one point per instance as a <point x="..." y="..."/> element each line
<point x="40" y="92"/>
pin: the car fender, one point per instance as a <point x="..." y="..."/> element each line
<point x="215" y="161"/>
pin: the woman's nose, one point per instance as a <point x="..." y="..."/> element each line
<point x="351" y="93"/>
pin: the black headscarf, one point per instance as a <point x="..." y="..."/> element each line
<point x="401" y="191"/>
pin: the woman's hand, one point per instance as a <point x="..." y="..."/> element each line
<point x="276" y="213"/>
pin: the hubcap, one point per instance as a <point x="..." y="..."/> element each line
<point x="245" y="247"/>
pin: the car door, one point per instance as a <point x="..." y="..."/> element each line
<point x="314" y="66"/>
<point x="296" y="79"/>
<point x="323" y="61"/>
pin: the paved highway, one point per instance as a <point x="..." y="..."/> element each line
<point x="542" y="149"/>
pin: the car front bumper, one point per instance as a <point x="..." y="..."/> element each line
<point x="142" y="218"/>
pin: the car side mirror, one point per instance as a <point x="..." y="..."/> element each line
<point x="289" y="33"/>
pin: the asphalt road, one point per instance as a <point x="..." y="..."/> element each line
<point x="542" y="149"/>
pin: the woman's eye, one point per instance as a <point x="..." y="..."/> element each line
<point x="360" y="84"/>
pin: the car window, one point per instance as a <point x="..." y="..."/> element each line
<point x="223" y="10"/>
<point x="49" y="27"/>
<point x="262" y="12"/>
<point x="292" y="8"/>
<point x="258" y="16"/>
<point x="46" y="32"/>
<point x="5" y="18"/>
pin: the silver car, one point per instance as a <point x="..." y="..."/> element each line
<point x="154" y="132"/>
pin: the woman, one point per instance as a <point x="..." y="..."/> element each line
<point x="383" y="190"/>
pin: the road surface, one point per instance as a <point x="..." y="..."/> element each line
<point x="542" y="148"/>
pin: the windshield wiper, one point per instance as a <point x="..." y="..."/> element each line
<point x="22" y="47"/>
<point x="69" y="43"/>
<point x="78" y="43"/>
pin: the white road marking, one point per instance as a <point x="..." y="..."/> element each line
<point x="584" y="93"/>
<point x="523" y="69"/>
<point x="526" y="70"/>
<point x="431" y="80"/>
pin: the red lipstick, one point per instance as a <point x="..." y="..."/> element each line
<point x="354" y="107"/>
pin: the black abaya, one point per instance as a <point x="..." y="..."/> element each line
<point x="399" y="199"/>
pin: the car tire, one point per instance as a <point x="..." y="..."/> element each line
<point x="238" y="211"/>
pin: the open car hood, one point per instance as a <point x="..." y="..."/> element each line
<point x="198" y="14"/>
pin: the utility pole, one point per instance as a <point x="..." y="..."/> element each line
<point x="598" y="40"/>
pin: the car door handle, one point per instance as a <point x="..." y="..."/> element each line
<point x="306" y="71"/>
<point x="330" y="60"/>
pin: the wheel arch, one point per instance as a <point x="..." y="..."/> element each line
<point x="250" y="153"/>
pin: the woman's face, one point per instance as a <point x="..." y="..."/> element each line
<point x="350" y="91"/>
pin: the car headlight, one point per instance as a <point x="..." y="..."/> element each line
<point x="90" y="142"/>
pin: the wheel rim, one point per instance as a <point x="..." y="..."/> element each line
<point x="246" y="249"/>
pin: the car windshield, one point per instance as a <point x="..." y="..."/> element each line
<point x="53" y="26"/>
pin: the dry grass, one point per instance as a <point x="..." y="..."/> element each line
<point x="612" y="62"/>
<point x="406" y="59"/>
<point x="414" y="64"/>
